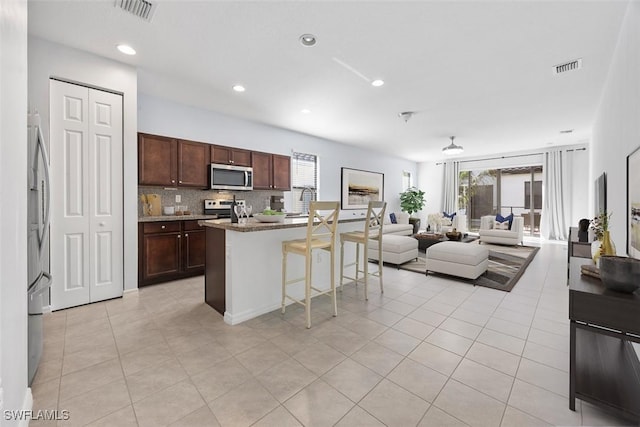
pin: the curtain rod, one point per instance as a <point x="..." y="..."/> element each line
<point x="509" y="157"/>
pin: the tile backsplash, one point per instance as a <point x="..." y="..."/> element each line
<point x="194" y="198"/>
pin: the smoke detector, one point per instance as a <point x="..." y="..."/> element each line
<point x="406" y="115"/>
<point x="576" y="64"/>
<point x="143" y="9"/>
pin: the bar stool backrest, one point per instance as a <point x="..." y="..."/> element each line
<point x="375" y="219"/>
<point x="323" y="222"/>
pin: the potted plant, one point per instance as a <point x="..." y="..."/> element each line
<point x="412" y="201"/>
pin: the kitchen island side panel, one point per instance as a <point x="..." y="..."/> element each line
<point x="214" y="279"/>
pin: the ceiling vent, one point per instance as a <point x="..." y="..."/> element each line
<point x="568" y="66"/>
<point x="141" y="8"/>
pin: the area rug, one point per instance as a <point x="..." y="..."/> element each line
<point x="506" y="265"/>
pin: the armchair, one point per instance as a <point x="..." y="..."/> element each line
<point x="459" y="223"/>
<point x="488" y="234"/>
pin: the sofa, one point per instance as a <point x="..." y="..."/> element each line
<point x="489" y="233"/>
<point x="402" y="228"/>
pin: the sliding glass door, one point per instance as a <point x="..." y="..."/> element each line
<point x="504" y="191"/>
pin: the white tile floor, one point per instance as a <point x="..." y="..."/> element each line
<point x="428" y="352"/>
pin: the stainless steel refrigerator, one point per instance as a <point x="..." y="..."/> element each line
<point x="38" y="210"/>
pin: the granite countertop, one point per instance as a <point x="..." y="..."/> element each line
<point x="175" y="218"/>
<point x="255" y="225"/>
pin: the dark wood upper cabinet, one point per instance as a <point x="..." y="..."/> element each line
<point x="281" y="172"/>
<point x="193" y="159"/>
<point x="171" y="162"/>
<point x="229" y="155"/>
<point x="271" y="171"/>
<point x="262" y="169"/>
<point x="157" y="160"/>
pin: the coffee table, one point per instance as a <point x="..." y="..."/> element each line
<point x="427" y="239"/>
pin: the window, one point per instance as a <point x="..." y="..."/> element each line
<point x="304" y="177"/>
<point x="406" y="180"/>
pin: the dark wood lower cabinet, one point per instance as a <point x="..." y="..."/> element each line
<point x="170" y="250"/>
<point x="603" y="367"/>
<point x="194" y="250"/>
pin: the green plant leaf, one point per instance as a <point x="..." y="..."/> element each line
<point x="412" y="200"/>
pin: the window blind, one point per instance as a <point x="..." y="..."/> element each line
<point x="304" y="175"/>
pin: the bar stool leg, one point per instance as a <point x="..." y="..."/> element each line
<point x="380" y="269"/>
<point x="341" y="262"/>
<point x="357" y="262"/>
<point x="284" y="278"/>
<point x="333" y="283"/>
<point x="365" y="260"/>
<point x="307" y="288"/>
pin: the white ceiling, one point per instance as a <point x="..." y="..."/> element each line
<point x="479" y="70"/>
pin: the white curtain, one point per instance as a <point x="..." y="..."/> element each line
<point x="451" y="171"/>
<point x="555" y="196"/>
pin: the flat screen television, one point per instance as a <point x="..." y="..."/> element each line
<point x="600" y="202"/>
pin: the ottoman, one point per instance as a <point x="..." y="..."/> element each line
<point x="395" y="249"/>
<point x="466" y="260"/>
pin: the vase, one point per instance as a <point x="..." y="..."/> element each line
<point x="604" y="246"/>
<point x="607" y="248"/>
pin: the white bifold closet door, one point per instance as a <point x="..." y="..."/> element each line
<point x="86" y="195"/>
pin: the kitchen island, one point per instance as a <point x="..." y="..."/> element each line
<point x="243" y="266"/>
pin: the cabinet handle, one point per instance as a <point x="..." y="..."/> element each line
<point x="231" y="161"/>
<point x="163" y="227"/>
<point x="179" y="236"/>
<point x="186" y="235"/>
<point x="173" y="181"/>
<point x="180" y="182"/>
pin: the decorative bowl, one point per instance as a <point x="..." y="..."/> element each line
<point x="619" y="273"/>
<point x="269" y="218"/>
<point x="453" y="235"/>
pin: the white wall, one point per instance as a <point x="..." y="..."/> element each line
<point x="616" y="132"/>
<point x="47" y="60"/>
<point x="164" y="117"/>
<point x="13" y="209"/>
<point x="431" y="181"/>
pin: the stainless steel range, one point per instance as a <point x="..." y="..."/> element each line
<point x="220" y="207"/>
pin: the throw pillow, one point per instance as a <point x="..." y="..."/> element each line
<point x="501" y="225"/>
<point x="508" y="219"/>
<point x="393" y="218"/>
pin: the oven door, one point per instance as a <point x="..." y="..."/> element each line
<point x="227" y="177"/>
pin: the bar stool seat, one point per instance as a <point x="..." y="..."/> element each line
<point x="321" y="233"/>
<point x="372" y="232"/>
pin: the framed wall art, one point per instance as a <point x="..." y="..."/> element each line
<point x="360" y="187"/>
<point x="633" y="204"/>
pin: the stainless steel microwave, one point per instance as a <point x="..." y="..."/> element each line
<point x="227" y="177"/>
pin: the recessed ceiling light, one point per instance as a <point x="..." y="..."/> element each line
<point x="239" y="88"/>
<point x="566" y="131"/>
<point x="126" y="49"/>
<point x="305" y="111"/>
<point x="377" y="83"/>
<point x="308" y="40"/>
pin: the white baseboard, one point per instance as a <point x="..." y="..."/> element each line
<point x="27" y="405"/>
<point x="234" y="319"/>
<point x="129" y="292"/>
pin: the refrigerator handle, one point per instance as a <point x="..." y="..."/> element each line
<point x="246" y="178"/>
<point x="47" y="195"/>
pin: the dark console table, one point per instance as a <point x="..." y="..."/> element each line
<point x="604" y="368"/>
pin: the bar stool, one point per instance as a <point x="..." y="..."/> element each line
<point x="321" y="233"/>
<point x="372" y="231"/>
